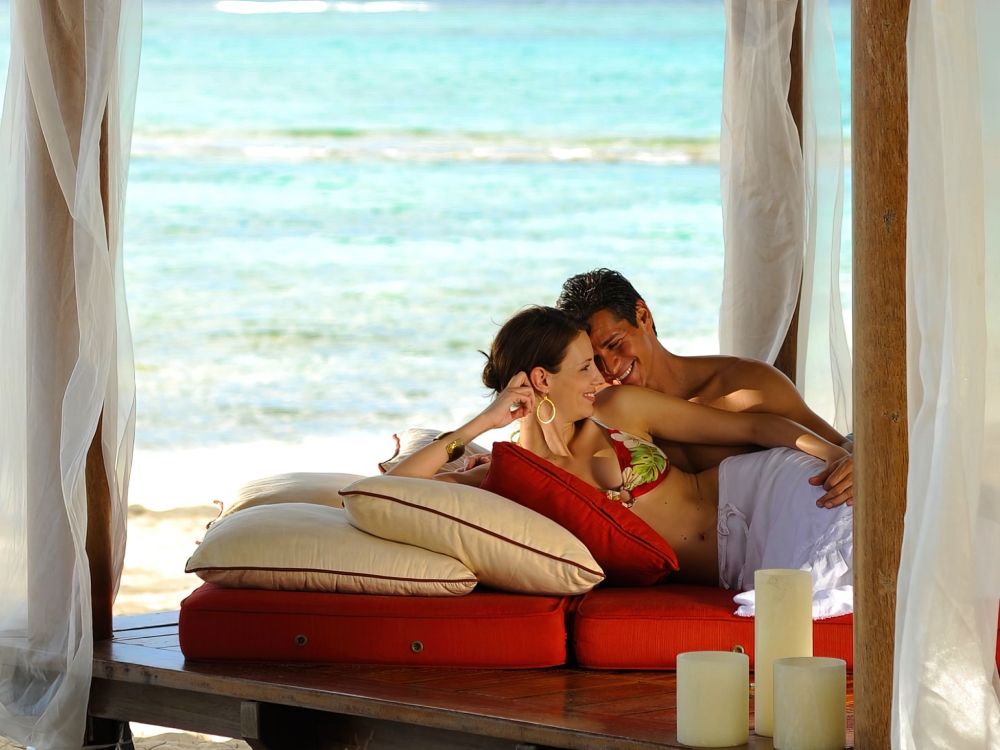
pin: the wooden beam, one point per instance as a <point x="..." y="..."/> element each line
<point x="787" y="358"/>
<point x="879" y="174"/>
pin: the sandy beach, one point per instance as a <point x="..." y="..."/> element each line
<point x="168" y="741"/>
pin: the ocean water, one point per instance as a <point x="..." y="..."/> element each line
<point x="330" y="212"/>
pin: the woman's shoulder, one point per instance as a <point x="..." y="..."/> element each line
<point x="623" y="399"/>
<point x="620" y="406"/>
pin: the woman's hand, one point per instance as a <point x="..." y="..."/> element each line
<point x="513" y="402"/>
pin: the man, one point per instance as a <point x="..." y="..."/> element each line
<point x="627" y="350"/>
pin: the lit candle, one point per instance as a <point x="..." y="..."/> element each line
<point x="810" y="704"/>
<point x="783" y="628"/>
<point x="713" y="698"/>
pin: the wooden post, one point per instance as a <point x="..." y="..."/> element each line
<point x="787" y="358"/>
<point x="879" y="174"/>
<point x="98" y="491"/>
<point x="52" y="328"/>
<point x="99" y="540"/>
<point x="53" y="325"/>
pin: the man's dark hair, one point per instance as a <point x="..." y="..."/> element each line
<point x="601" y="289"/>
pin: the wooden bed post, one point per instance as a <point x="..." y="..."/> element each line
<point x="787" y="358"/>
<point x="54" y="329"/>
<point x="879" y="175"/>
<point x="98" y="490"/>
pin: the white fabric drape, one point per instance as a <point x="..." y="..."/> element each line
<point x="763" y="216"/>
<point x="948" y="589"/>
<point x="823" y="367"/>
<point x="782" y="201"/>
<point x="65" y="347"/>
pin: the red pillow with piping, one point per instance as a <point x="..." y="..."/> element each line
<point x="624" y="545"/>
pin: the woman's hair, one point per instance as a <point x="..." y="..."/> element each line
<point x="535" y="337"/>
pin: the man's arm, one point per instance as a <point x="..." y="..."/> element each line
<point x="778" y="395"/>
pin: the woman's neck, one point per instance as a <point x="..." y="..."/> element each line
<point x="548" y="440"/>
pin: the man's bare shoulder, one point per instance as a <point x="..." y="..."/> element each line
<point x="721" y="377"/>
<point x="751" y="372"/>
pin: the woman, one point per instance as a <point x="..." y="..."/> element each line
<point x="756" y="510"/>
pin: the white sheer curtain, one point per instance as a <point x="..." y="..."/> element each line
<point x="782" y="202"/>
<point x="824" y="360"/>
<point x="762" y="177"/>
<point x="949" y="580"/>
<point x="65" y="348"/>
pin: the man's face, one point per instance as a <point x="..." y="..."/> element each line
<point x="623" y="352"/>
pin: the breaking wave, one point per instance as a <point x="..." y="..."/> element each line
<point x="344" y="145"/>
<point x="255" y="7"/>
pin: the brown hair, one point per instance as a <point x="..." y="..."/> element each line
<point x="535" y="337"/>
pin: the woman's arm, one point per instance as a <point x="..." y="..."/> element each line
<point x="515" y="401"/>
<point x="670" y="418"/>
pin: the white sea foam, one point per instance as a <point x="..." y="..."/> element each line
<point x="569" y="154"/>
<point x="383" y="6"/>
<point x="412" y="147"/>
<point x="254" y="7"/>
<point x="285" y="153"/>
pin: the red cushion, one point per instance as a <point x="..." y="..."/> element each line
<point x="624" y="545"/>
<point x="646" y="629"/>
<point x="482" y="629"/>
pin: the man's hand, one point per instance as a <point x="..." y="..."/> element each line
<point x="838" y="480"/>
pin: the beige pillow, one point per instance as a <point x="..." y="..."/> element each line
<point x="303" y="547"/>
<point x="299" y="487"/>
<point x="507" y="546"/>
<point x="410" y="441"/>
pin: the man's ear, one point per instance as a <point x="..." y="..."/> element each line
<point x="643" y="317"/>
<point x="539" y="378"/>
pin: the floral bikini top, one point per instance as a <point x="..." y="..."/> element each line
<point x="643" y="466"/>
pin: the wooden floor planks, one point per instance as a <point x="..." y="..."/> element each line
<point x="560" y="707"/>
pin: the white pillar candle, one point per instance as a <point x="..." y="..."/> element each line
<point x="810" y="704"/>
<point x="713" y="698"/>
<point x="783" y="628"/>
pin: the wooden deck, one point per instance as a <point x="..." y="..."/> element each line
<point x="142" y="676"/>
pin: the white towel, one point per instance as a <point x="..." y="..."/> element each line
<point x="768" y="519"/>
<point x="826" y="603"/>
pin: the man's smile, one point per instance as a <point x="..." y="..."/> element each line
<point x="628" y="371"/>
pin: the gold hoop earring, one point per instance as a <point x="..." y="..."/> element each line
<point x="515" y="436"/>
<point x="538" y="410"/>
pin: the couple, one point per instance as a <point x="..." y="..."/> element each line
<point x="673" y="439"/>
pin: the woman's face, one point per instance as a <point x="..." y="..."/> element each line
<point x="574" y="387"/>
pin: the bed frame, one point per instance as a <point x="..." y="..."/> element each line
<point x="141" y="675"/>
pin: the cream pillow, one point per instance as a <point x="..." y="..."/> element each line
<point x="507" y="546"/>
<point x="410" y="441"/>
<point x="299" y="487"/>
<point x="304" y="547"/>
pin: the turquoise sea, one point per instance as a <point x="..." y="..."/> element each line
<point x="329" y="213"/>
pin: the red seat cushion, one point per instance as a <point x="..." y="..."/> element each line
<point x="624" y="545"/>
<point x="482" y="629"/>
<point x="647" y="628"/>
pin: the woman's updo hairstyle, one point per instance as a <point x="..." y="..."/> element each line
<point x="535" y="337"/>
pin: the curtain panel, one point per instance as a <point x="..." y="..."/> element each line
<point x="945" y="677"/>
<point x="65" y="346"/>
<point x="782" y="200"/>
